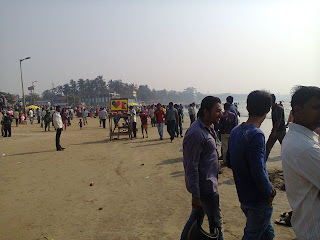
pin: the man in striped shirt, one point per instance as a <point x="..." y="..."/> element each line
<point x="301" y="163"/>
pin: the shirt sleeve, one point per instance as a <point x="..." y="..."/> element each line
<point x="257" y="165"/>
<point x="192" y="149"/>
<point x="309" y="166"/>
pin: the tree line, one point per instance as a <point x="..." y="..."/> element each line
<point x="98" y="87"/>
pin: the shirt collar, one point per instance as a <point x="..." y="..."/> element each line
<point x="303" y="130"/>
<point x="202" y="124"/>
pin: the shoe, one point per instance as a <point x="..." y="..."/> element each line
<point x="60" y="149"/>
<point x="161" y="138"/>
<point x="63" y="148"/>
<point x="181" y="135"/>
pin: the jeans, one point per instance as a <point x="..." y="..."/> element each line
<point x="103" y="123"/>
<point x="160" y="129"/>
<point x="58" y="134"/>
<point x="171" y="128"/>
<point x="46" y="125"/>
<point x="210" y="207"/>
<point x="179" y="129"/>
<point x="272" y="140"/>
<point x="258" y="225"/>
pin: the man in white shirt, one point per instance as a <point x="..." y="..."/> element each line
<point x="31" y="116"/>
<point x="301" y="163"/>
<point x="103" y="117"/>
<point x="134" y="120"/>
<point x="58" y="125"/>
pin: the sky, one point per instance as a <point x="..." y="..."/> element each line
<point x="214" y="46"/>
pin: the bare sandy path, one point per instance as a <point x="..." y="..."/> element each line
<point x="138" y="187"/>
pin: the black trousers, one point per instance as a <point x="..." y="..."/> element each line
<point x="103" y="123"/>
<point x="272" y="140"/>
<point x="58" y="134"/>
<point x="7" y="130"/>
<point x="134" y="129"/>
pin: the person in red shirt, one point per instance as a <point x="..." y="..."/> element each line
<point x="159" y="115"/>
<point x="144" y="123"/>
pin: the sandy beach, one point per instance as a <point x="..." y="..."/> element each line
<point x="138" y="193"/>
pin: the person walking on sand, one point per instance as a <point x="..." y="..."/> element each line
<point x="16" y="117"/>
<point x="133" y="112"/>
<point x="300" y="153"/>
<point x="278" y="126"/>
<point x="172" y="120"/>
<point x="47" y="121"/>
<point x="227" y="123"/>
<point x="58" y="125"/>
<point x="31" y="116"/>
<point x="159" y="115"/>
<point x="103" y="117"/>
<point x="144" y="124"/>
<point x="192" y="112"/>
<point x="200" y="161"/>
<point x="246" y="156"/>
<point x="7" y="121"/>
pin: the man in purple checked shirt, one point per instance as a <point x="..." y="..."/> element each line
<point x="200" y="161"/>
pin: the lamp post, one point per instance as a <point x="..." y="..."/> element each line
<point x="34" y="99"/>
<point x="24" y="100"/>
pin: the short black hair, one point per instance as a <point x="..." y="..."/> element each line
<point x="273" y="97"/>
<point x="58" y="107"/>
<point x="302" y="94"/>
<point x="227" y="106"/>
<point x="258" y="103"/>
<point x="170" y="103"/>
<point x="208" y="103"/>
<point x="229" y="99"/>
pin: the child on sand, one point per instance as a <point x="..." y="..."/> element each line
<point x="80" y="123"/>
<point x="144" y="123"/>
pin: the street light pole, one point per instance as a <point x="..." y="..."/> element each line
<point x="34" y="99"/>
<point x="24" y="100"/>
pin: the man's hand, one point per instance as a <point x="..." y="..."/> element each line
<point x="196" y="203"/>
<point x="273" y="194"/>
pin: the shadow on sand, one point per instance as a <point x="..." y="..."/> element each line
<point x="171" y="161"/>
<point x="28" y="153"/>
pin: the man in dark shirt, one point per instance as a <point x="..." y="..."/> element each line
<point x="233" y="108"/>
<point x="246" y="155"/>
<point x="200" y="161"/>
<point x="278" y="126"/>
<point x="172" y="120"/>
<point x="227" y="123"/>
<point x="7" y="120"/>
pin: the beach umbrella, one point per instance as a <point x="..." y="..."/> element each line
<point x="33" y="107"/>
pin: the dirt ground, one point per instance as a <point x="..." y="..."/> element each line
<point x="138" y="192"/>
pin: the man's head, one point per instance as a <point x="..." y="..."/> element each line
<point x="227" y="106"/>
<point x="131" y="107"/>
<point x="170" y="105"/>
<point x="229" y="99"/>
<point x="258" y="103"/>
<point x="273" y="98"/>
<point x="305" y="104"/>
<point x="210" y="110"/>
<point x="58" y="109"/>
<point x="158" y="105"/>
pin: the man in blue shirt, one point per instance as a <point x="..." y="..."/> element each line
<point x="200" y="161"/>
<point x="246" y="155"/>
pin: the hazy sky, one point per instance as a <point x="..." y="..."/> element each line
<point x="215" y="46"/>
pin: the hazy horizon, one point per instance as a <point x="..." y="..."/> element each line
<point x="214" y="46"/>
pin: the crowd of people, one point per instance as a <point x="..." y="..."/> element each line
<point x="243" y="149"/>
<point x="247" y="153"/>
